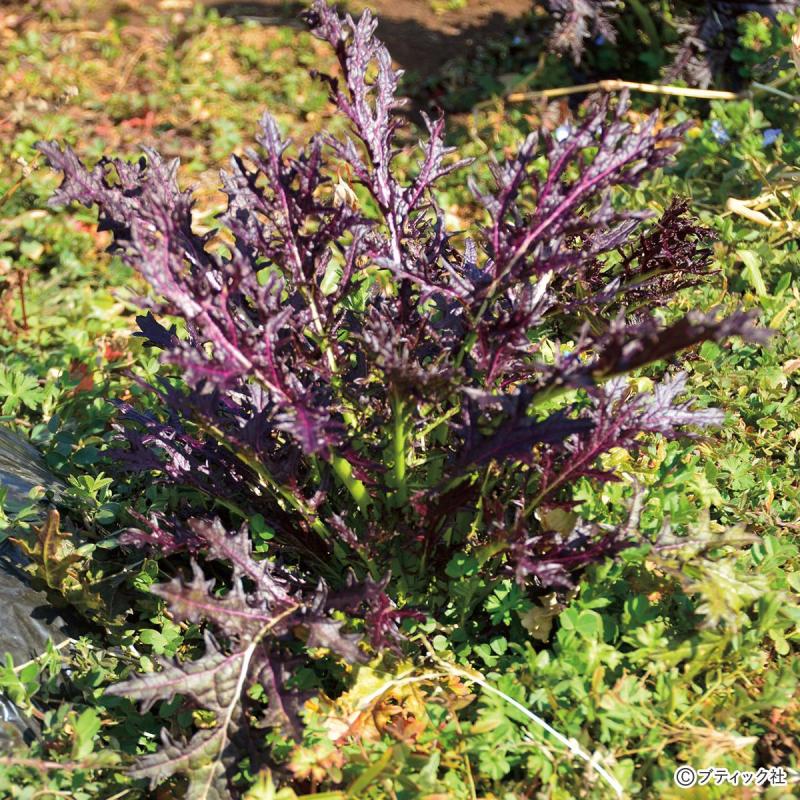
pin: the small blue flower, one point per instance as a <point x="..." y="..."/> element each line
<point x="719" y="133"/>
<point x="517" y="40"/>
<point x="600" y="40"/>
<point x="562" y="132"/>
<point x="770" y="136"/>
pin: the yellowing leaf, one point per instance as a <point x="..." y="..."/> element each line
<point x="52" y="553"/>
<point x="559" y="520"/>
<point x="263" y="788"/>
<point x="752" y="271"/>
<point x="485" y="725"/>
<point x="779" y="318"/>
<point x="383" y="703"/>
<point x="538" y="621"/>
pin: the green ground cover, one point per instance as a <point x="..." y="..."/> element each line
<point x="685" y="655"/>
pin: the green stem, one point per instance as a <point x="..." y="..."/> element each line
<point x="469" y="340"/>
<point x="399" y="446"/>
<point x="347" y="413"/>
<point x="478" y="521"/>
<point x="230" y="505"/>
<point x="362" y="782"/>
<point x="437" y="422"/>
<point x="267" y="480"/>
<point x="647" y="23"/>
<point x="344" y="471"/>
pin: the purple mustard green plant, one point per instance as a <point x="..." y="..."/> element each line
<point x="708" y="31"/>
<point x="383" y="391"/>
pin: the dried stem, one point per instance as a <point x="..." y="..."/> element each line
<point x="616" y="85"/>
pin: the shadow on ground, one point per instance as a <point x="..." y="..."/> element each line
<point x="419" y="40"/>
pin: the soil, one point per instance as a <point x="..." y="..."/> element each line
<point x="419" y="39"/>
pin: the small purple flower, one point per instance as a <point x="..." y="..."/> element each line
<point x="600" y="40"/>
<point x="517" y="40"/>
<point x="770" y="136"/>
<point x="719" y="133"/>
<point x="562" y="132"/>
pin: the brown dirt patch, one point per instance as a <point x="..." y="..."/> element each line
<point x="418" y="38"/>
